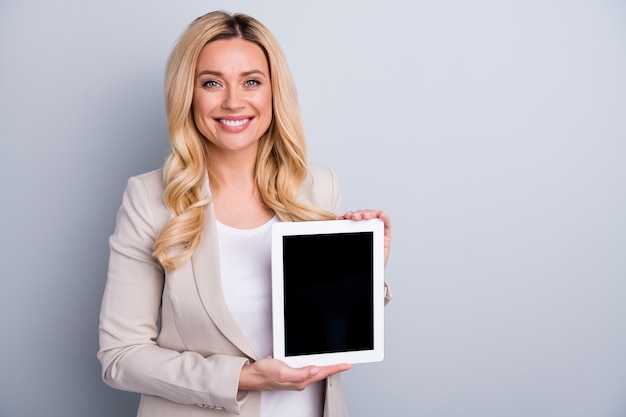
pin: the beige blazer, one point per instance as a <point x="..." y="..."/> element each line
<point x="170" y="335"/>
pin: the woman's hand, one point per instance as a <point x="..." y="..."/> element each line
<point x="372" y="214"/>
<point x="274" y="375"/>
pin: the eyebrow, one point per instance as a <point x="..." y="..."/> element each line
<point x="219" y="74"/>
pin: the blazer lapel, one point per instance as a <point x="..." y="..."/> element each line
<point x="206" y="270"/>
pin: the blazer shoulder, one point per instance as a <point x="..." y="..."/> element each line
<point x="321" y="189"/>
<point x="152" y="181"/>
<point x="146" y="190"/>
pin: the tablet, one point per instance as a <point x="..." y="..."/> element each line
<point x="328" y="292"/>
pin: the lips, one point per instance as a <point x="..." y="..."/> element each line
<point x="234" y="123"/>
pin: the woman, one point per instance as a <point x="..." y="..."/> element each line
<point x="186" y="321"/>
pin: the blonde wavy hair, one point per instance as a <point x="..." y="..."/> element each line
<point x="281" y="165"/>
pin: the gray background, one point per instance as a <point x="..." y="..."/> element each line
<point x="493" y="132"/>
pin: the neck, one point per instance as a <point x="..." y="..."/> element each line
<point x="233" y="170"/>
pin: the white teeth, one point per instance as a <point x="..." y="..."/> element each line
<point x="234" y="122"/>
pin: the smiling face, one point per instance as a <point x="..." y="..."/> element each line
<point x="232" y="100"/>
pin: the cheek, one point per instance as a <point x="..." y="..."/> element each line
<point x="203" y="103"/>
<point x="197" y="106"/>
<point x="197" y="116"/>
<point x="200" y="108"/>
<point x="266" y="105"/>
<point x="200" y="120"/>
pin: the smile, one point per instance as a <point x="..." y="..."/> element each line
<point x="234" y="123"/>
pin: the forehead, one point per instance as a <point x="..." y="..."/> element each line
<point x="227" y="55"/>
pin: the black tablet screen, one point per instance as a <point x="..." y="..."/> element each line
<point x="328" y="291"/>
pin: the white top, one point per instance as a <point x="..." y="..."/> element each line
<point x="245" y="259"/>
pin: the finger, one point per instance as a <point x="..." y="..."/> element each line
<point x="370" y="214"/>
<point x="385" y="218"/>
<point x="305" y="375"/>
<point x="317" y="373"/>
<point x="326" y="371"/>
<point x="353" y="215"/>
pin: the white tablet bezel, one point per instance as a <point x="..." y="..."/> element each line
<point x="282" y="229"/>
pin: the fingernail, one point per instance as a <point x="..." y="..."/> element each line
<point x="315" y="370"/>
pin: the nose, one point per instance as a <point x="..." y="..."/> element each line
<point x="233" y="99"/>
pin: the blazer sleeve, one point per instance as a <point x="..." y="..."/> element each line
<point x="130" y="356"/>
<point x="321" y="189"/>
